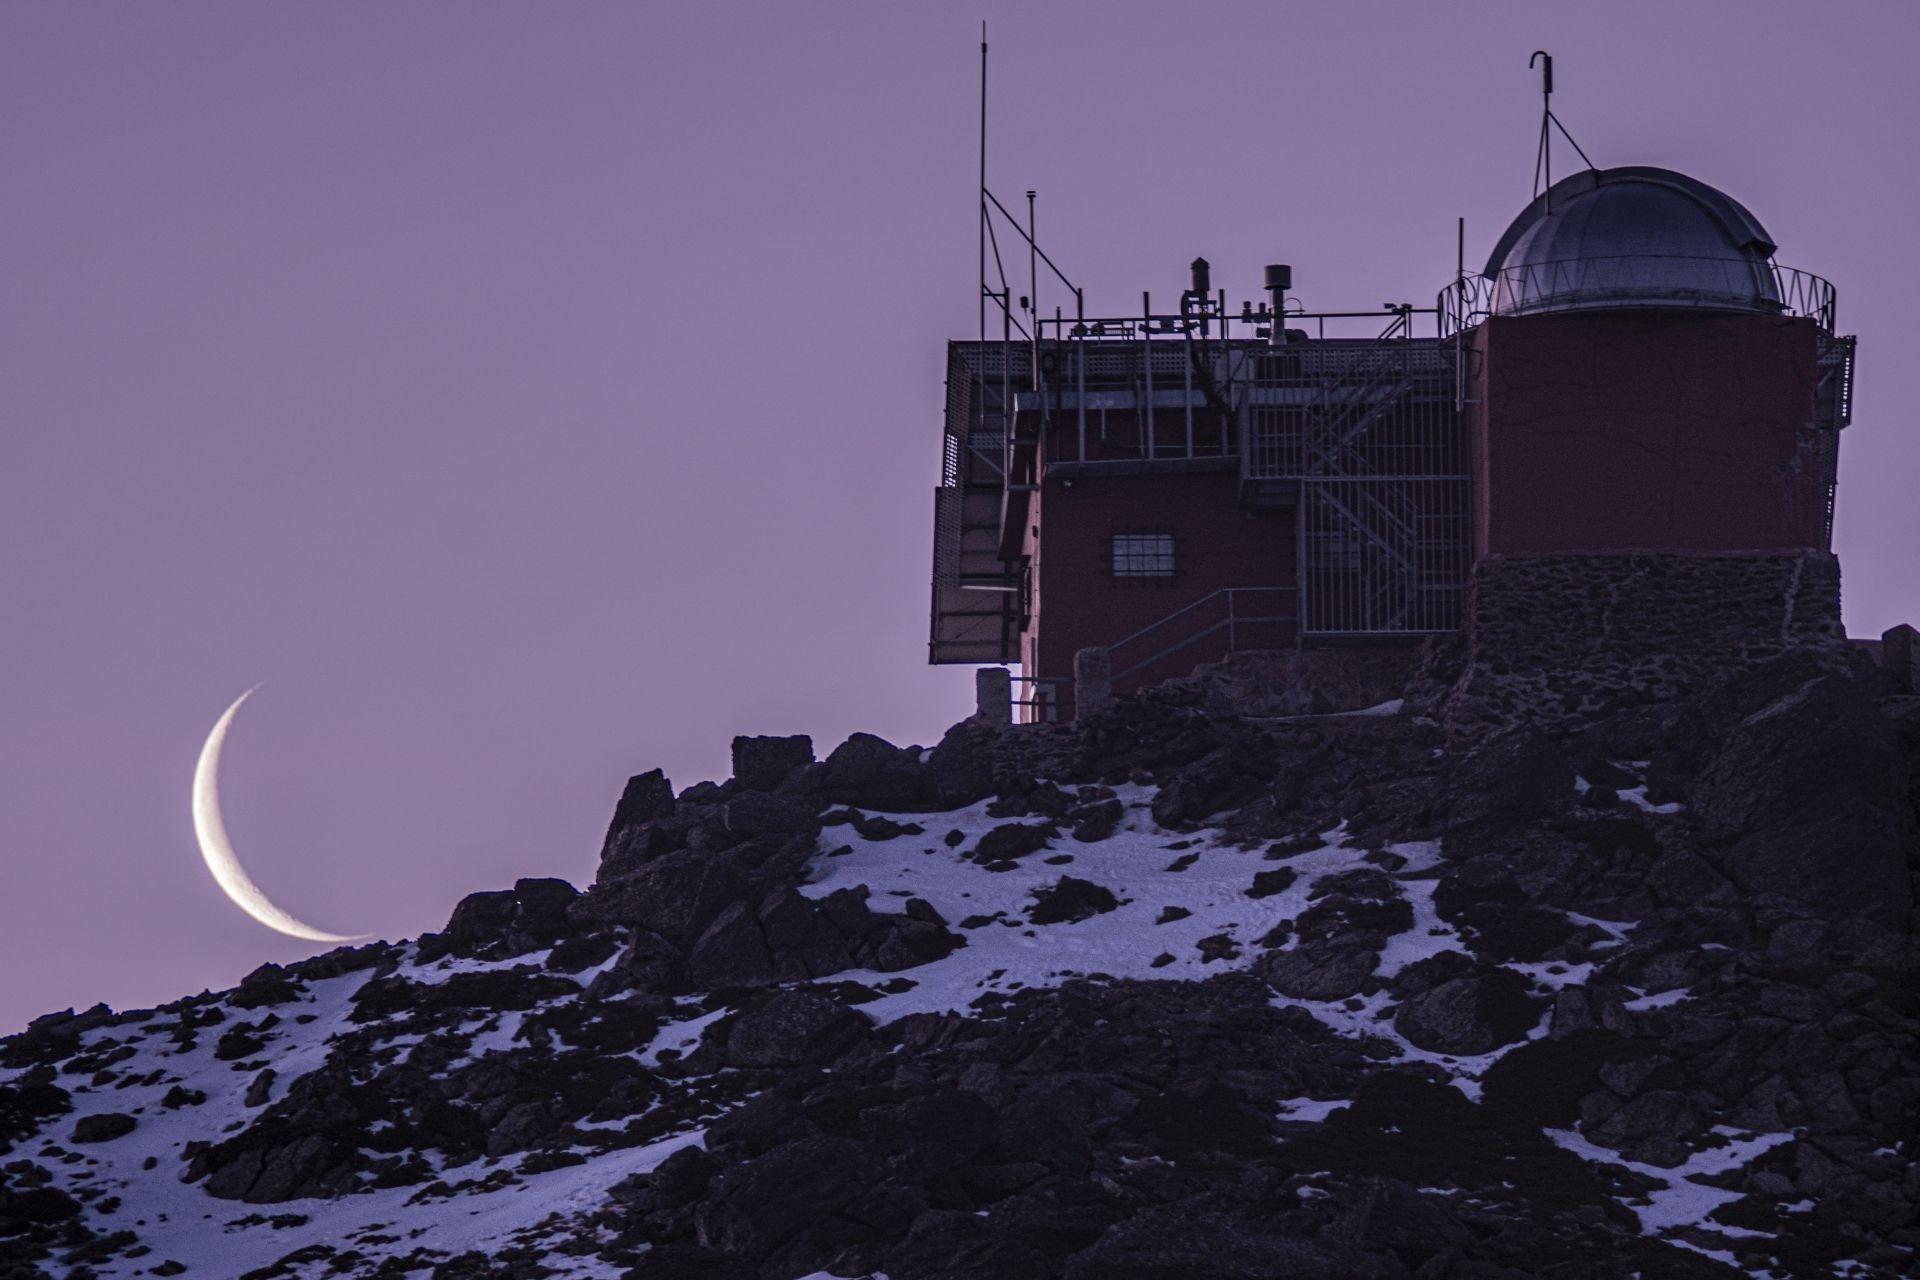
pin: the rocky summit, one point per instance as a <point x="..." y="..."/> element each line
<point x="1170" y="993"/>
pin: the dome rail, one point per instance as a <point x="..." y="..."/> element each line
<point x="1626" y="281"/>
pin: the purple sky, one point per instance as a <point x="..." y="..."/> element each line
<point x="531" y="395"/>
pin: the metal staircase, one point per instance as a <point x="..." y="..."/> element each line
<point x="1327" y="431"/>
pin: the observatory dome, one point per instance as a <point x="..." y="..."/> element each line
<point x="1633" y="237"/>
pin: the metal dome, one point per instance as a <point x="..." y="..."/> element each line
<point x="1633" y="237"/>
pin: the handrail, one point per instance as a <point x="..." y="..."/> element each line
<point x="1233" y="620"/>
<point x="1624" y="280"/>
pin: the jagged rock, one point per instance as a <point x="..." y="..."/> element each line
<point x="932" y="1134"/>
<point x="1471" y="1014"/>
<point x="872" y="773"/>
<point x="762" y="1123"/>
<point x="757" y="1206"/>
<point x="676" y="896"/>
<point x="480" y="918"/>
<point x="523" y="1126"/>
<point x="647" y="797"/>
<point x="103" y="1127"/>
<point x="1173" y="1244"/>
<point x="959" y="770"/>
<point x="33" y="1206"/>
<point x="1096" y="820"/>
<point x="794" y="1027"/>
<point x="1483" y="898"/>
<point x="877" y="828"/>
<point x="1319" y="970"/>
<point x="800" y="941"/>
<point x="27" y="1102"/>
<point x="761" y="764"/>
<point x="267" y="985"/>
<point x="1806" y="796"/>
<point x="732" y="952"/>
<point x="756" y="813"/>
<point x="513" y="921"/>
<point x="1026" y="797"/>
<point x="1102" y="1126"/>
<point x="1508" y="781"/>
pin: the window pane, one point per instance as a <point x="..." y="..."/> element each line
<point x="1143" y="555"/>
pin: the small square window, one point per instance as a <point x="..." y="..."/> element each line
<point x="1143" y="555"/>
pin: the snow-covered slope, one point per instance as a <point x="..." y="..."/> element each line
<point x="1064" y="1028"/>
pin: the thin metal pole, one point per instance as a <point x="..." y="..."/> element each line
<point x="983" y="180"/>
<point x="1146" y="363"/>
<point x="1033" y="296"/>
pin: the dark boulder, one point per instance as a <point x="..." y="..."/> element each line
<point x="800" y="941"/>
<point x="885" y="941"/>
<point x="732" y="952"/>
<point x="932" y="1134"/>
<point x="1807" y="797"/>
<point x="756" y="813"/>
<point x="761" y="764"/>
<point x="1544" y="1080"/>
<point x="1172" y="1243"/>
<point x="1012" y="840"/>
<point x="29" y="1100"/>
<point x="959" y="770"/>
<point x="1319" y="970"/>
<point x="648" y="796"/>
<point x="677" y="896"/>
<point x="269" y="984"/>
<point x="754" y="1208"/>
<point x="480" y="918"/>
<point x="761" y="1123"/>
<point x="1096" y="820"/>
<point x="1070" y="899"/>
<point x="1268" y="883"/>
<point x="1471" y="1014"/>
<point x="794" y="1028"/>
<point x="543" y="903"/>
<point x="104" y="1127"/>
<point x="872" y="773"/>
<point x="1508" y="781"/>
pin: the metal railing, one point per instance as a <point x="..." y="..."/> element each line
<point x="1244" y="617"/>
<point x="1626" y="280"/>
<point x="1049" y="699"/>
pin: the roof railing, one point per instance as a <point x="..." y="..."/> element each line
<point x="1638" y="280"/>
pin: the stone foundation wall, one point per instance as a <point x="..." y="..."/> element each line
<point x="1296" y="682"/>
<point x="1559" y="642"/>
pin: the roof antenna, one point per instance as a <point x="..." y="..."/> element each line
<point x="1543" y="156"/>
<point x="983" y="180"/>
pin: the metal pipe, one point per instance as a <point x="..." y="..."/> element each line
<point x="1146" y="360"/>
<point x="1033" y="303"/>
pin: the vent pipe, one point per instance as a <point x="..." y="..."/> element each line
<point x="1202" y="286"/>
<point x="1279" y="280"/>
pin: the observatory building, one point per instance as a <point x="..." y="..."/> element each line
<point x="1139" y="494"/>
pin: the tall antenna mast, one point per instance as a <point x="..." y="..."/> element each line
<point x="1543" y="155"/>
<point x="982" y="195"/>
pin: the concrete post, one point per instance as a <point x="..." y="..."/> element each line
<point x="1899" y="654"/>
<point x="1092" y="680"/>
<point x="993" y="696"/>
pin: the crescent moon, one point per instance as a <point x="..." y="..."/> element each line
<point x="218" y="850"/>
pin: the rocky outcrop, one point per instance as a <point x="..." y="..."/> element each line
<point x="1339" y="996"/>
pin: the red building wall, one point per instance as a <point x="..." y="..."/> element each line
<point x="1078" y="602"/>
<point x="1643" y="430"/>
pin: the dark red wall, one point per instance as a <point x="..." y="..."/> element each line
<point x="1079" y="603"/>
<point x="1657" y="430"/>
